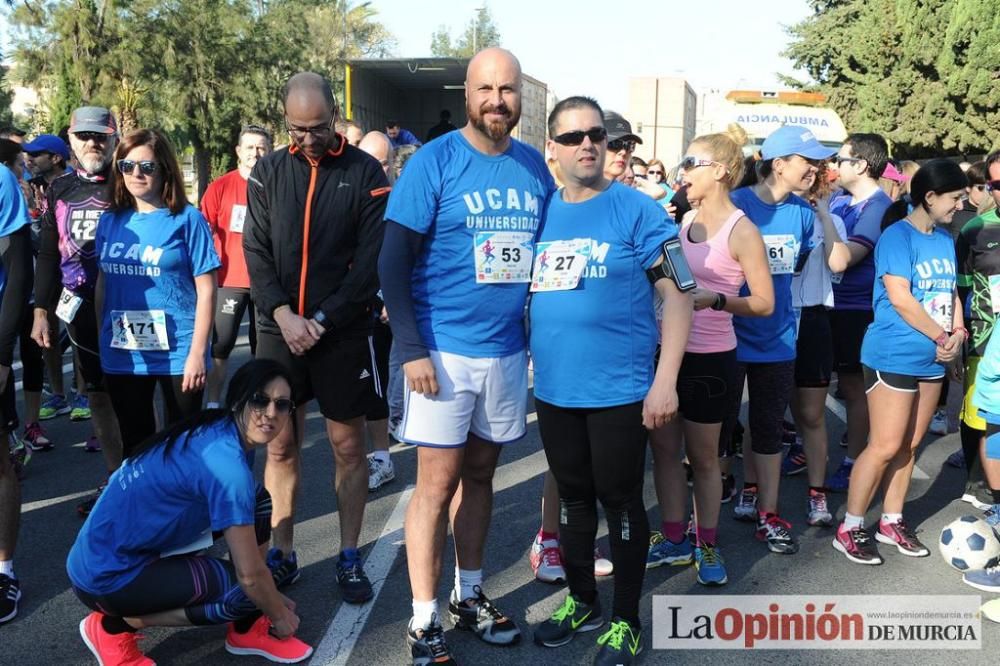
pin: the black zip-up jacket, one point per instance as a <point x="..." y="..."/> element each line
<point x="338" y="206"/>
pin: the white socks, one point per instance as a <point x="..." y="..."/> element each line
<point x="853" y="522"/>
<point x="890" y="518"/>
<point x="466" y="580"/>
<point x="7" y="568"/>
<point x="381" y="456"/>
<point x="423" y="613"/>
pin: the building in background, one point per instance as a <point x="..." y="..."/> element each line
<point x="663" y="111"/>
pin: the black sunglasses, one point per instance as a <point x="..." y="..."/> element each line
<point x="97" y="137"/>
<point x="575" y="138"/>
<point x="146" y="167"/>
<point x="993" y="186"/>
<point x="618" y="145"/>
<point x="258" y="402"/>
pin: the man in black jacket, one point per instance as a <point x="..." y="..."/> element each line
<point x="312" y="240"/>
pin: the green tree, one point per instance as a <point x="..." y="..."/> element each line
<point x="6" y="97"/>
<point x="480" y="32"/>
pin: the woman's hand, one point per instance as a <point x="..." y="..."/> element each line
<point x="194" y="373"/>
<point x="703" y="298"/>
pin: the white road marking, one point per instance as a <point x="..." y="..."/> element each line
<point x="338" y="642"/>
<point x="838" y="409"/>
<point x="41" y="504"/>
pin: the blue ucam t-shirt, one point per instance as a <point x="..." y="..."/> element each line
<point x="156" y="503"/>
<point x="459" y="198"/>
<point x="987" y="395"/>
<point x="13" y="211"/>
<point x="593" y="345"/>
<point x="927" y="261"/>
<point x="787" y="229"/>
<point x="149" y="262"/>
<point x="852" y="289"/>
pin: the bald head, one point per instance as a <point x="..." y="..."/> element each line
<point x="378" y="146"/>
<point x="308" y="85"/>
<point x="493" y="95"/>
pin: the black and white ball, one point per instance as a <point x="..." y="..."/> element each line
<point x="968" y="544"/>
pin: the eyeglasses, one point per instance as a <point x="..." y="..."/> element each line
<point x="993" y="186"/>
<point x="838" y="160"/>
<point x="319" y="131"/>
<point x="259" y="402"/>
<point x="652" y="172"/>
<point x="146" y="167"/>
<point x="692" y="162"/>
<point x="575" y="138"/>
<point x="96" y="137"/>
<point x="618" y="145"/>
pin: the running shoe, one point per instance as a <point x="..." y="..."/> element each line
<point x="120" y="648"/>
<point x="394" y="427"/>
<point x="819" y="513"/>
<point x="20" y="455"/>
<point x="788" y="435"/>
<point x="957" y="459"/>
<point x="691" y="531"/>
<point x="427" y="645"/>
<point x="711" y="567"/>
<point x="987" y="580"/>
<point x="856" y="545"/>
<point x="354" y="584"/>
<point x="905" y="540"/>
<point x="80" y="408"/>
<point x="92" y="445"/>
<point x="86" y="506"/>
<point x="841" y="479"/>
<point x="746" y="505"/>
<point x="978" y="495"/>
<point x="53" y="406"/>
<point x="571" y="618"/>
<point x="10" y="594"/>
<point x="663" y="551"/>
<point x="481" y="616"/>
<point x="939" y="423"/>
<point x="992" y="517"/>
<point x="284" y="570"/>
<point x="259" y="641"/>
<point x="794" y="461"/>
<point x="620" y="645"/>
<point x="602" y="565"/>
<point x="546" y="560"/>
<point x="34" y="438"/>
<point x="728" y="488"/>
<point x="379" y="473"/>
<point x="777" y="533"/>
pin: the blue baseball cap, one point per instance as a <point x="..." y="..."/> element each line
<point x="794" y="140"/>
<point x="47" y="143"/>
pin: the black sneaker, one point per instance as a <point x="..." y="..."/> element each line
<point x="728" y="488"/>
<point x="483" y="618"/>
<point x="86" y="506"/>
<point x="354" y="584"/>
<point x="620" y="644"/>
<point x="427" y="645"/>
<point x="571" y="618"/>
<point x="10" y="594"/>
<point x="284" y="570"/>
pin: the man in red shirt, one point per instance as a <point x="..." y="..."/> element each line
<point x="224" y="205"/>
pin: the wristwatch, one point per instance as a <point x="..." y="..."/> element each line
<point x="720" y="302"/>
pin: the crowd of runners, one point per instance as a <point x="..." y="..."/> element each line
<point x="417" y="292"/>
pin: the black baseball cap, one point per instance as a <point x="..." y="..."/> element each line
<point x="618" y="128"/>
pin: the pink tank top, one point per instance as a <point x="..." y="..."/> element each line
<point x="714" y="269"/>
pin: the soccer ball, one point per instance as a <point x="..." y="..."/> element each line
<point x="968" y="544"/>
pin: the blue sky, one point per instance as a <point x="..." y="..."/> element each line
<point x="589" y="47"/>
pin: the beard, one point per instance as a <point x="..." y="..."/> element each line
<point x="496" y="130"/>
<point x="94" y="163"/>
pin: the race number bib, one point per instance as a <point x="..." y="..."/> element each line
<point x="938" y="305"/>
<point x="559" y="264"/>
<point x="995" y="293"/>
<point x="503" y="256"/>
<point x="69" y="303"/>
<point x="836" y="278"/>
<point x="139" y="330"/>
<point x="236" y="218"/>
<point x="781" y="251"/>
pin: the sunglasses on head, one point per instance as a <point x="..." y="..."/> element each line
<point x="259" y="402"/>
<point x="146" y="167"/>
<point x="618" y="145"/>
<point x="993" y="186"/>
<point x="576" y="137"/>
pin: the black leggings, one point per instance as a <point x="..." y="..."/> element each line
<point x="231" y="303"/>
<point x="769" y="386"/>
<point x="205" y="587"/>
<point x="32" y="365"/>
<point x="132" y="399"/>
<point x="600" y="454"/>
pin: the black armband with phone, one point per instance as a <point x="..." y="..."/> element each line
<point x="674" y="267"/>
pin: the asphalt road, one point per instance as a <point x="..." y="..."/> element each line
<point x="45" y="632"/>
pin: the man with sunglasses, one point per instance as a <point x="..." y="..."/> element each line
<point x="458" y="320"/>
<point x="224" y="205"/>
<point x="859" y="164"/>
<point x="66" y="270"/>
<point x="311" y="241"/>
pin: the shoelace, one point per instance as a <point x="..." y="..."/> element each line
<point x="656" y="538"/>
<point x="748" y="497"/>
<point x="434" y="638"/>
<point x="709" y="555"/>
<point x="860" y="537"/>
<point x="568" y="609"/>
<point x="352" y="571"/>
<point x="485" y="604"/>
<point x="903" y="530"/>
<point x="614" y="636"/>
<point x="778" y="527"/>
<point x="128" y="643"/>
<point x="817" y="502"/>
<point x="551" y="557"/>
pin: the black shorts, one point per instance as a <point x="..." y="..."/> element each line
<point x="848" y="328"/>
<point x="231" y="303"/>
<point x="814" y="349"/>
<point x="896" y="381"/>
<point x="339" y="373"/>
<point x="381" y="342"/>
<point x="82" y="333"/>
<point x="703" y="385"/>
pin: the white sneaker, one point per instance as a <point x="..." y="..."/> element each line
<point x="379" y="473"/>
<point x="939" y="424"/>
<point x="602" y="565"/>
<point x="546" y="561"/>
